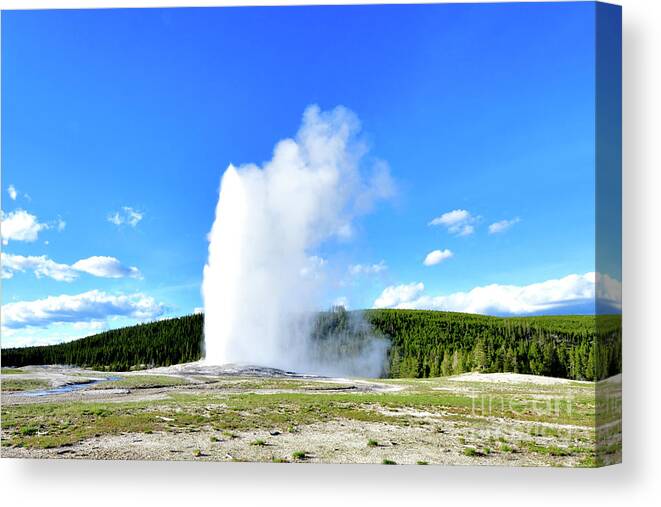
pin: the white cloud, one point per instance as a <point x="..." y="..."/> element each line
<point x="42" y="266"/>
<point x="86" y="307"/>
<point x="437" y="256"/>
<point x="502" y="225"/>
<point x="397" y="295"/>
<point x="20" y="225"/>
<point x="547" y="296"/>
<point x="115" y="218"/>
<point x="198" y="310"/>
<point x="94" y="325"/>
<point x="11" y="190"/>
<point x="126" y="215"/>
<point x="367" y="269"/>
<point x="105" y="267"/>
<point x="459" y="222"/>
<point x="60" y="225"/>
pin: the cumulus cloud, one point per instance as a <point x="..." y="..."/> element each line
<point x="437" y="256"/>
<point x="397" y="295"/>
<point x="126" y="215"/>
<point x="42" y="266"/>
<point x="550" y="296"/>
<point x="367" y="269"/>
<point x="458" y="222"/>
<point x="502" y="225"/>
<point x="11" y="190"/>
<point x="105" y="267"/>
<point x="20" y="225"/>
<point x="86" y="307"/>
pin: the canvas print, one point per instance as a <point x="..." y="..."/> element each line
<point x="382" y="234"/>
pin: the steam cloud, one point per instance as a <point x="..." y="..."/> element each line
<point x="259" y="298"/>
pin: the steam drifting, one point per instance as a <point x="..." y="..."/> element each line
<point x="260" y="299"/>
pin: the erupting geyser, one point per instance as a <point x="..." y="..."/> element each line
<point x="260" y="290"/>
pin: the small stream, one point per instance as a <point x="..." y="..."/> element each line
<point x="67" y="388"/>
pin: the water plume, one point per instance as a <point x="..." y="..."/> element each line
<point x="260" y="290"/>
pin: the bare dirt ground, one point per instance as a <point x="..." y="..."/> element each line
<point x="196" y="412"/>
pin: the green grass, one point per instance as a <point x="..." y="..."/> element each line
<point x="141" y="382"/>
<point x="231" y="414"/>
<point x="20" y="384"/>
<point x="551" y="450"/>
<point x="388" y="462"/>
<point x="28" y="431"/>
<point x="251" y="384"/>
<point x="258" y="443"/>
<point x="11" y="371"/>
<point x="422" y="463"/>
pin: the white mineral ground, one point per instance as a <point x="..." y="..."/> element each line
<point x="419" y="433"/>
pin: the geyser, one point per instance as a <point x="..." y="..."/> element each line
<point x="261" y="290"/>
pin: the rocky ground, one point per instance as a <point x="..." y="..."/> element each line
<point x="196" y="412"/>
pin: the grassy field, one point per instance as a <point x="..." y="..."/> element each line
<point x="11" y="371"/>
<point x="424" y="421"/>
<point x="20" y="384"/>
<point x="141" y="382"/>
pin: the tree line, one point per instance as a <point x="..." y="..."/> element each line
<point x="422" y="344"/>
<point x="430" y="344"/>
<point x="160" y="343"/>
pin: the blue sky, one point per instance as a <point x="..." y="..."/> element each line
<point x="117" y="125"/>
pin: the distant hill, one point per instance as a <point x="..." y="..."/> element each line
<point x="423" y="344"/>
